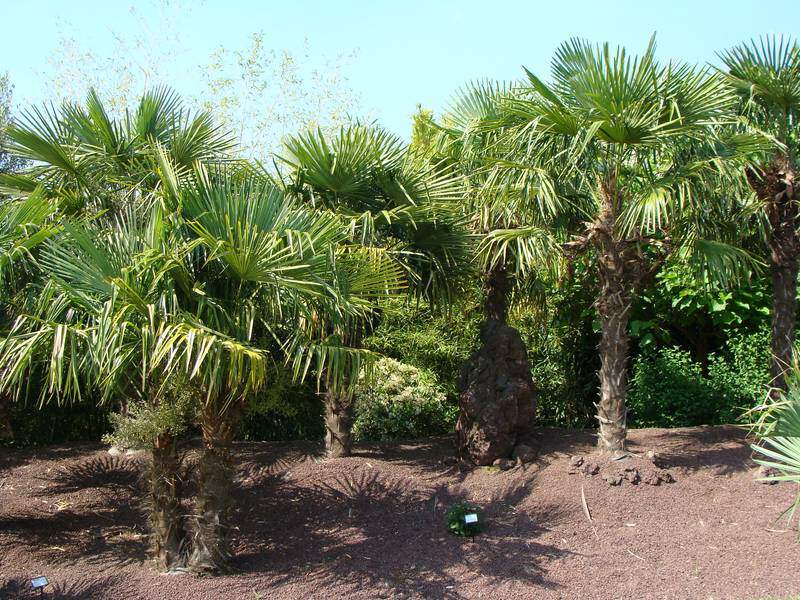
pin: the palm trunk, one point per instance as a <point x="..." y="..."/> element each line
<point x="211" y="550"/>
<point x="497" y="288"/>
<point x="338" y="424"/>
<point x="613" y="309"/>
<point x="775" y="186"/>
<point x="784" y="311"/>
<point x="6" y="431"/>
<point x="166" y="515"/>
<point x="616" y="269"/>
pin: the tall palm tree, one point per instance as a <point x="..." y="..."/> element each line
<point x="401" y="209"/>
<point x="766" y="77"/>
<point x="634" y="146"/>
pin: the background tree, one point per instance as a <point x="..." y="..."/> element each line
<point x="258" y="92"/>
<point x="399" y="207"/>
<point x="766" y="76"/>
<point x="634" y="146"/>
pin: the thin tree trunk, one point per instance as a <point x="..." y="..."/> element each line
<point x="338" y="425"/>
<point x="614" y="311"/>
<point x="166" y="518"/>
<point x="211" y="550"/>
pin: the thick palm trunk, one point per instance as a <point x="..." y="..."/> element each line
<point x="166" y="518"/>
<point x="211" y="549"/>
<point x="338" y="424"/>
<point x="775" y="187"/>
<point x="497" y="399"/>
<point x="613" y="309"/>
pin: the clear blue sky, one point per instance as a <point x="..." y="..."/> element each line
<point x="408" y="52"/>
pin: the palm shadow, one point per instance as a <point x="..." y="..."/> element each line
<point x="723" y="450"/>
<point x="387" y="531"/>
<point x="106" y="529"/>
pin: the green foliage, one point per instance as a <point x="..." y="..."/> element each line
<point x="562" y="350"/>
<point x="455" y="520"/>
<point x="671" y="389"/>
<point x="400" y="401"/>
<point x="284" y="410"/>
<point x="682" y="309"/>
<point x="433" y="341"/>
<point x="35" y="425"/>
<point x="143" y="421"/>
<point x="776" y="424"/>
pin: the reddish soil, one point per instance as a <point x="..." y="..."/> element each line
<point x="372" y="526"/>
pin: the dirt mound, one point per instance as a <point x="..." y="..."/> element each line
<point x="627" y="468"/>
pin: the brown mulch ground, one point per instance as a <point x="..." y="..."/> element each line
<point x="372" y="526"/>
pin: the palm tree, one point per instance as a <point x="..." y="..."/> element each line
<point x="766" y="77"/>
<point x="493" y="414"/>
<point x="89" y="160"/>
<point x="109" y="297"/>
<point x="397" y="207"/>
<point x="84" y="161"/>
<point x="634" y="147"/>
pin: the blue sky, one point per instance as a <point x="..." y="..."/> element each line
<point x="407" y="52"/>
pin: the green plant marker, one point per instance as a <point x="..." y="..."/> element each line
<point x="465" y="520"/>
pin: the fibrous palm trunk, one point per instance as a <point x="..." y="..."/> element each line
<point x="613" y="309"/>
<point x="618" y="263"/>
<point x="211" y="550"/>
<point x="166" y="518"/>
<point x="776" y="188"/>
<point x="338" y="424"/>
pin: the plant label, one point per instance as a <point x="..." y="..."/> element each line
<point x="39" y="582"/>
<point x="471" y="518"/>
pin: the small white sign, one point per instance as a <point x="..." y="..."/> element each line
<point x="39" y="582"/>
<point x="471" y="518"/>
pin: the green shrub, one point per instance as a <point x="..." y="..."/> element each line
<point x="401" y="401"/>
<point x="434" y="342"/>
<point x="670" y="389"/>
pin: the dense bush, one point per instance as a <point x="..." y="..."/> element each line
<point x="53" y="424"/>
<point x="669" y="388"/>
<point x="429" y="340"/>
<point x="401" y="401"/>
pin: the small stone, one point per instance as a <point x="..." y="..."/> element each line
<point x="576" y="461"/>
<point x="765" y="475"/>
<point x="115" y="451"/>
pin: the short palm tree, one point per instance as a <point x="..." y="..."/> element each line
<point x="515" y="248"/>
<point x="400" y="209"/>
<point x="633" y="148"/>
<point x="111" y="294"/>
<point x="766" y="77"/>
